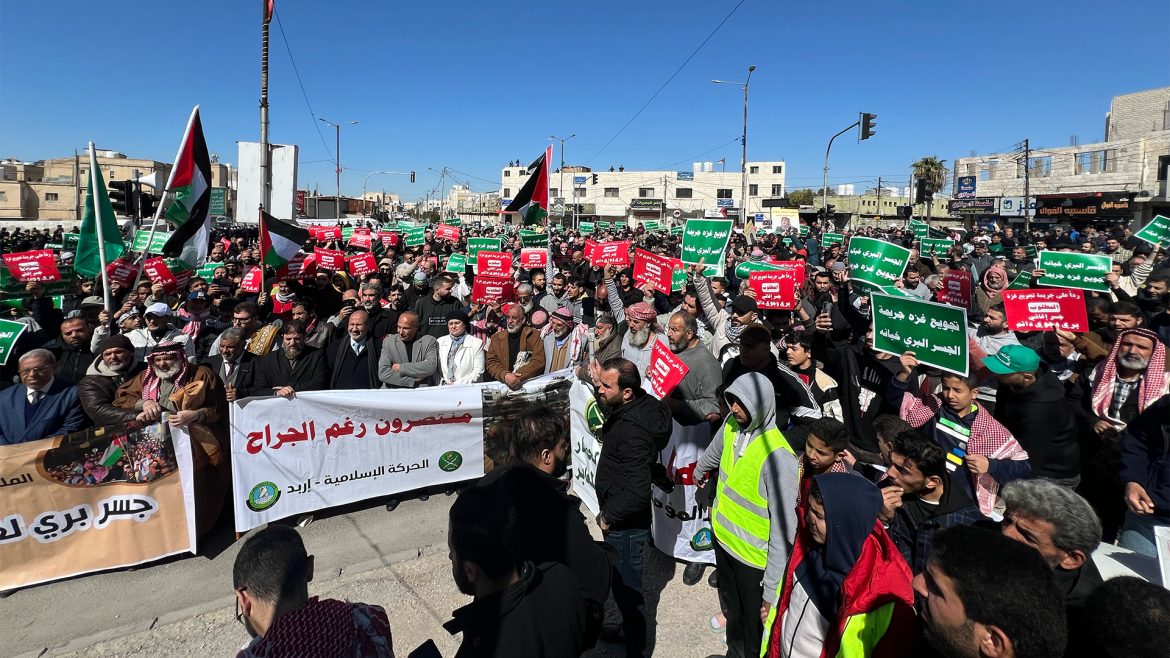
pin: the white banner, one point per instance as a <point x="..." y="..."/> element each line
<point x="680" y="528"/>
<point x="327" y="448"/>
<point x="585" y="420"/>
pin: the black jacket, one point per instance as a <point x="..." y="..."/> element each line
<point x="632" y="437"/>
<point x="382" y="322"/>
<point x="243" y="376"/>
<point x="72" y="363"/>
<point x="1042" y="420"/>
<point x="339" y="355"/>
<point x="432" y="315"/>
<point x="1145" y="455"/>
<point x="273" y="370"/>
<point x="915" y="539"/>
<point x="541" y="615"/>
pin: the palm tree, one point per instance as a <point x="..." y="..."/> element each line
<point x="934" y="170"/>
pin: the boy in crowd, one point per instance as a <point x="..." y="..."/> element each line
<point x="824" y="452"/>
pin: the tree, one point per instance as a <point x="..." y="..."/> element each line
<point x="934" y="170"/>
<point x="797" y="198"/>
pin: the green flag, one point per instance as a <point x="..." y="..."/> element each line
<point x="88" y="262"/>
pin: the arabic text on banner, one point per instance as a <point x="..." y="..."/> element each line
<point x="679" y="526"/>
<point x="936" y="333"/>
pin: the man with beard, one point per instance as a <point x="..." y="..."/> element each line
<point x="694" y="400"/>
<point x="317" y="334"/>
<point x="353" y="359"/>
<point x="159" y="329"/>
<point x="296" y="367"/>
<point x="556" y="295"/>
<point x="515" y="354"/>
<point x="115" y="363"/>
<point x="690" y="305"/>
<point x="729" y="321"/>
<point x="524" y="297"/>
<point x="637" y="324"/>
<point x="409" y="359"/>
<point x="991" y="336"/>
<point x="603" y="346"/>
<point x="983" y="595"/>
<point x="432" y="310"/>
<point x="794" y="403"/>
<point x="564" y="341"/>
<point x="380" y="320"/>
<point x="74" y="357"/>
<point x="271" y="581"/>
<point x="1154" y="300"/>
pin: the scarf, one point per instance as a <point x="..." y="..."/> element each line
<point x="194" y="323"/>
<point x="151" y="381"/>
<point x="286" y="298"/>
<point x="1153" y="384"/>
<point x="986" y="285"/>
<point x="456" y="343"/>
<point x="733" y="331"/>
<point x="326" y="628"/>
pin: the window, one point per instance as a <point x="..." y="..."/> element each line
<point x="1039" y="167"/>
<point x="777" y="190"/>
<point x="753" y="190"/>
<point x="754" y="170"/>
<point x="723" y="193"/>
<point x="3" y="196"/>
<point x="579" y="192"/>
<point x="611" y="192"/>
<point x="554" y="191"/>
<point x="1095" y="162"/>
<point x="645" y="192"/>
<point x="972" y="168"/>
<point x="778" y="169"/>
<point x="1163" y="166"/>
<point x="507" y="193"/>
<point x="51" y="196"/>
<point x="683" y="193"/>
<point x="507" y="173"/>
<point x="987" y="169"/>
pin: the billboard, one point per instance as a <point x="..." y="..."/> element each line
<point x="965" y="189"/>
<point x="1013" y="206"/>
<point x="249" y="191"/>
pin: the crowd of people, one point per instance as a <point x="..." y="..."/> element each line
<point x="861" y="502"/>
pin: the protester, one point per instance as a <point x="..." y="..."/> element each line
<point x="794" y="400"/>
<point x="1145" y="462"/>
<point x="234" y="365"/>
<point x="409" y="359"/>
<point x="114" y="365"/>
<point x="1137" y="624"/>
<point x="295" y="368"/>
<point x="271" y="580"/>
<point x="43" y="405"/>
<point x="515" y="354"/>
<point x="564" y="341"/>
<point x="353" y="359"/>
<point x="433" y="310"/>
<point x="693" y="400"/>
<point x="74" y="356"/>
<point x="318" y="334"/>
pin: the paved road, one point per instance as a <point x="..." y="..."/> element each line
<point x="398" y="560"/>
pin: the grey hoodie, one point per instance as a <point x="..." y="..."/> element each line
<point x="779" y="479"/>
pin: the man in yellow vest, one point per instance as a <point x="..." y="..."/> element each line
<point x="754" y="515"/>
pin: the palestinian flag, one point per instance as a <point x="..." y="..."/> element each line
<point x="532" y="200"/>
<point x="280" y="242"/>
<point x="113" y="454"/>
<point x="190" y="190"/>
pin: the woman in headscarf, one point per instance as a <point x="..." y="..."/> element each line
<point x="991" y="287"/>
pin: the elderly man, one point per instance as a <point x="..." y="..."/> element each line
<point x="295" y="368"/>
<point x="694" y="400"/>
<point x="409" y="359"/>
<point x="234" y="365"/>
<point x="114" y="365"/>
<point x="638" y="324"/>
<point x="159" y="329"/>
<point x="42" y="405"/>
<point x="516" y="353"/>
<point x="353" y="359"/>
<point x="564" y="341"/>
<point x="603" y="345"/>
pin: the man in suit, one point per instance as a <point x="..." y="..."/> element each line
<point x="295" y="368"/>
<point x="42" y="405"/>
<point x="409" y="360"/>
<point x="353" y="358"/>
<point x="507" y="346"/>
<point x="234" y="365"/>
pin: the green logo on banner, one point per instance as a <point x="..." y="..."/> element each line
<point x="262" y="496"/>
<point x="450" y="461"/>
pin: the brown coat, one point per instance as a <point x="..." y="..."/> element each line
<point x="204" y="392"/>
<point x="496" y="363"/>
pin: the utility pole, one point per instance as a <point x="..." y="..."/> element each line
<point x="879" y="199"/>
<point x="561" y="188"/>
<point x="662" y="206"/>
<point x="1027" y="186"/>
<point x="743" y="185"/>
<point x="265" y="150"/>
<point x="337" y="130"/>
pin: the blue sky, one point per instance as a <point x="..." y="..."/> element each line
<point x="472" y="85"/>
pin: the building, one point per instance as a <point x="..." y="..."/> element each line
<point x="1121" y="179"/>
<point x="870" y="209"/>
<point x="626" y="196"/>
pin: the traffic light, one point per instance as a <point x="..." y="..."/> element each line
<point x="412" y="176"/>
<point x="594" y="179"/>
<point x="122" y="197"/>
<point x="868" y="125"/>
<point x="146" y="204"/>
<point x="923" y="190"/>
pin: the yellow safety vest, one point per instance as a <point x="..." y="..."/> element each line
<point x="739" y="517"/>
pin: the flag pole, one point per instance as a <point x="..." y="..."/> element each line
<point x="163" y="199"/>
<point x="260" y="223"/>
<point x="97" y="215"/>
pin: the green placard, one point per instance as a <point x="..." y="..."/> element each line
<point x="415" y="237"/>
<point x="1157" y="232"/>
<point x="207" y="270"/>
<point x="69" y="241"/>
<point x="218" y="205"/>
<point x="457" y="263"/>
<point x="705" y="241"/>
<point x="936" y="333"/>
<point x="390" y="227"/>
<point x="920" y="229"/>
<point x="177" y="266"/>
<point x="586" y="228"/>
<point x="1073" y="270"/>
<point x="1023" y="281"/>
<point x="454" y="221"/>
<point x="829" y="238"/>
<point x="533" y="239"/>
<point x="346" y="233"/>
<point x="1030" y="249"/>
<point x="744" y="269"/>
<point x="407" y="223"/>
<point x="476" y="245"/>
<point x="604" y="226"/>
<point x="995" y="248"/>
<point x="678" y="279"/>
<point x="677" y="229"/>
<point x="650" y="225"/>
<point x="55" y="246"/>
<point x="803" y="231"/>
<point x="876" y="262"/>
<point x="156" y="244"/>
<point x="940" y="245"/>
<point x="9" y="332"/>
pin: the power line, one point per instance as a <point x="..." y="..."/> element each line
<point x="312" y="115"/>
<point x="668" y="80"/>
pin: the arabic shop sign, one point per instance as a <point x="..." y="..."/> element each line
<point x="976" y="206"/>
<point x="936" y="333"/>
<point x="1102" y="204"/>
<point x="646" y="203"/>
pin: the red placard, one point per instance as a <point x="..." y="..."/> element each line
<point x="611" y="253"/>
<point x="362" y="264"/>
<point x="665" y="370"/>
<point x="497" y="264"/>
<point x="157" y="271"/>
<point x="956" y="288"/>
<point x="121" y="273"/>
<point x="330" y="259"/>
<point x="360" y="240"/>
<point x="447" y="232"/>
<point x="388" y="239"/>
<point x="36" y="265"/>
<point x="1046" y="309"/>
<point x="776" y="289"/>
<point x="535" y="258"/>
<point x="492" y="289"/>
<point x="325" y="233"/>
<point x="302" y="265"/>
<point x="654" y="269"/>
<point x="590" y="245"/>
<point x="252" y="280"/>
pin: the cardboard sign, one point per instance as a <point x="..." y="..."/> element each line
<point x="360" y="240"/>
<point x="1046" y="309"/>
<point x="936" y="333"/>
<point x="457" y="263"/>
<point x="300" y="267"/>
<point x="611" y="253"/>
<point x="252" y="281"/>
<point x="144" y="243"/>
<point x="777" y="289"/>
<point x="361" y="264"/>
<point x="534" y="259"/>
<point x="330" y="259"/>
<point x="36" y="265"/>
<point x="121" y="273"/>
<point x="956" y="288"/>
<point x="476" y="245"/>
<point x="1073" y="270"/>
<point x="497" y="264"/>
<point x="1157" y="232"/>
<point x="156" y="269"/>
<point x="876" y="262"/>
<point x="388" y="239"/>
<point x="447" y="232"/>
<point x="325" y="233"/>
<point x="665" y="370"/>
<point x="491" y="289"/>
<point x="9" y="333"/>
<point x="654" y="269"/>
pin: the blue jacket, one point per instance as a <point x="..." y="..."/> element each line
<point x="59" y="412"/>
<point x="1145" y="455"/>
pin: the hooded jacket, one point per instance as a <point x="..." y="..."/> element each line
<point x="632" y="437"/>
<point x="1042" y="422"/>
<point x="858" y="580"/>
<point x="779" y="477"/>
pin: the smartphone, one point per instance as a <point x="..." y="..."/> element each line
<point x="827" y="308"/>
<point x="426" y="650"/>
<point x="349" y="303"/>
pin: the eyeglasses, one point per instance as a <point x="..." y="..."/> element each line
<point x="239" y="613"/>
<point x="243" y="320"/>
<point x="40" y="370"/>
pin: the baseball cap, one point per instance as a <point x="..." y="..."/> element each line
<point x="1011" y="359"/>
<point x="744" y="304"/>
<point x="93" y="300"/>
<point x="158" y="308"/>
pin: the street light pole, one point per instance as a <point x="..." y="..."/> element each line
<point x="337" y="131"/>
<point x="561" y="189"/>
<point x="825" y="183"/>
<point x="743" y="185"/>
